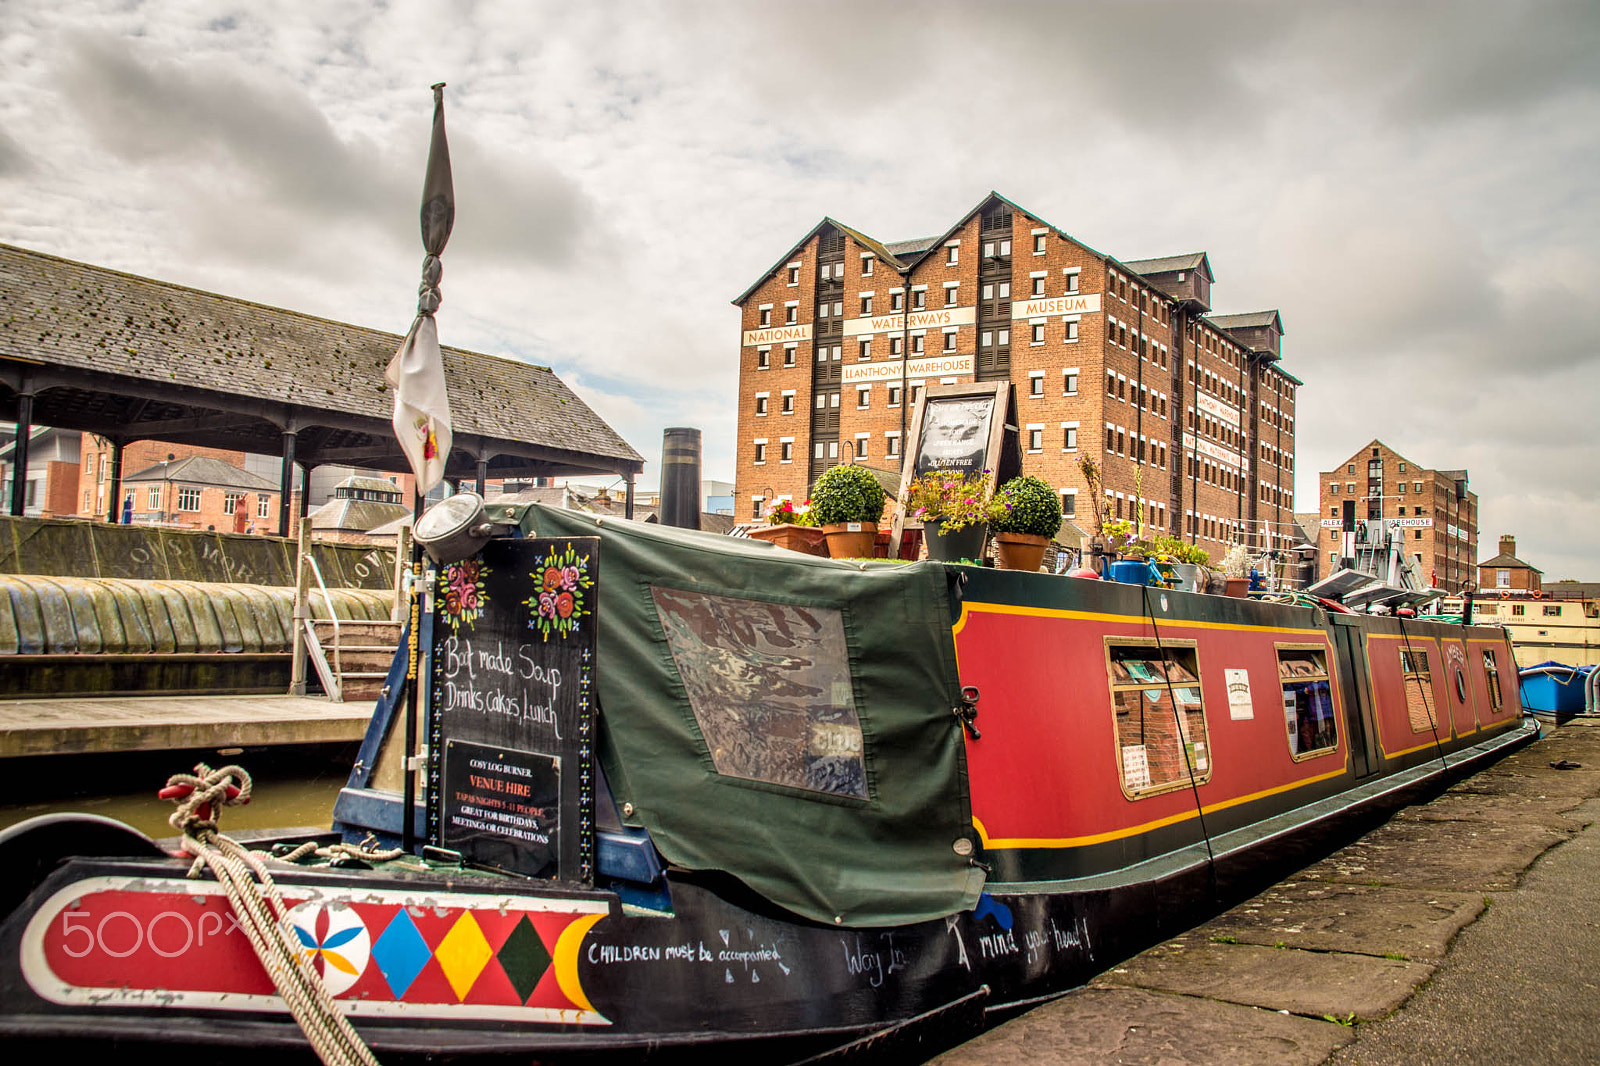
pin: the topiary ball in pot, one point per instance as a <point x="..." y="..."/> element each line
<point x="1026" y="505"/>
<point x="1025" y="514"/>
<point x="847" y="494"/>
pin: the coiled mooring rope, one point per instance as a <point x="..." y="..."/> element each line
<point x="262" y="913"/>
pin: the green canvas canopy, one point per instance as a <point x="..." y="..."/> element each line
<point x="782" y="718"/>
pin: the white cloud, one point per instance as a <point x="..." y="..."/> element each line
<point x="1409" y="185"/>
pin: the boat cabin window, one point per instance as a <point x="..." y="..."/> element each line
<point x="1419" y="690"/>
<point x="1160" y="718"/>
<point x="770" y="687"/>
<point x="1307" y="701"/>
<point x="1491" y="671"/>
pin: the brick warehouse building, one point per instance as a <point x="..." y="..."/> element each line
<point x="1189" y="412"/>
<point x="1437" y="512"/>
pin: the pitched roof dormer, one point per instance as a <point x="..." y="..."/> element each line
<point x="1186" y="278"/>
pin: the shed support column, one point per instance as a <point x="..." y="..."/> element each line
<point x="286" y="483"/>
<point x="483" y="475"/>
<point x="627" y="505"/>
<point x="114" y="492"/>
<point x="19" y="456"/>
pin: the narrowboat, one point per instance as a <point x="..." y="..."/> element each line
<point x="690" y="796"/>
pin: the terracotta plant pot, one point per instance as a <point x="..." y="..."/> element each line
<point x="808" y="540"/>
<point x="1237" y="587"/>
<point x="851" y="540"/>
<point x="964" y="543"/>
<point x="1019" y="551"/>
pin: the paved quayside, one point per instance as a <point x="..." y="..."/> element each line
<point x="74" y="726"/>
<point x="1356" y="959"/>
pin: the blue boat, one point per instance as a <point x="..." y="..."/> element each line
<point x="1552" y="688"/>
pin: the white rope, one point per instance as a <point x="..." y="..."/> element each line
<point x="262" y="912"/>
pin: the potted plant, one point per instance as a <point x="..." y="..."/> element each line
<point x="1089" y="467"/>
<point x="847" y="502"/>
<point x="1236" y="571"/>
<point x="1023" y="516"/>
<point x="1118" y="534"/>
<point x="1188" y="559"/>
<point x="791" y="526"/>
<point x="954" y="511"/>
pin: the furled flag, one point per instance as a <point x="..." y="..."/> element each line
<point x="416" y="373"/>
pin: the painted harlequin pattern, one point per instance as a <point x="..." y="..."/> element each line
<point x="115" y="942"/>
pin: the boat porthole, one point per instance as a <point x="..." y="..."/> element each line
<point x="963" y="846"/>
<point x="1163" y="603"/>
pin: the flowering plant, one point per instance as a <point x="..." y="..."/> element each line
<point x="1118" y="532"/>
<point x="785" y="513"/>
<point x="955" y="500"/>
<point x="1089" y="467"/>
<point x="1193" y="554"/>
<point x="1026" y="505"/>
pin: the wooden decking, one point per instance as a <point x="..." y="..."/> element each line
<point x="155" y="723"/>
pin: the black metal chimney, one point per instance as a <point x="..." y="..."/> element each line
<point x="680" y="478"/>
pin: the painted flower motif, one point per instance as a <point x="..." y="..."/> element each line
<point x="461" y="593"/>
<point x="561" y="601"/>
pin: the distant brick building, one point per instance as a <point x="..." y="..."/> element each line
<point x="1506" y="573"/>
<point x="1189" y="412"/>
<point x="152" y="459"/>
<point x="360" y="504"/>
<point x="1436" y="511"/>
<point x="201" y="492"/>
<point x="52" y="478"/>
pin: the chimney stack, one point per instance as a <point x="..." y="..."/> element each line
<point x="680" y="478"/>
<point x="1508" y="545"/>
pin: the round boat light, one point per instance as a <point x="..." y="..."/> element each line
<point x="454" y="528"/>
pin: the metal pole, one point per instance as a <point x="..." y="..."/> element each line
<point x="302" y="613"/>
<point x="286" y="482"/>
<point x="627" y="504"/>
<point x="408" y="793"/>
<point x="19" y="456"/>
<point x="483" y="474"/>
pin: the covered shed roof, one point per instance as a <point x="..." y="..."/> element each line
<point x="133" y="358"/>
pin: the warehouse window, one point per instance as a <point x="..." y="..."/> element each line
<point x="1159" y="715"/>
<point x="262" y="504"/>
<point x="188" y="499"/>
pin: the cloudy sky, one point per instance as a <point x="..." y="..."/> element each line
<point x="1413" y="185"/>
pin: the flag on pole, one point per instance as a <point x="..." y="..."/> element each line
<point x="416" y="373"/>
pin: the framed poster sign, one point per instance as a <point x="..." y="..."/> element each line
<point x="963" y="429"/>
<point x="510" y="710"/>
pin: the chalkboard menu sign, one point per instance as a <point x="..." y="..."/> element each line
<point x="511" y="707"/>
<point x="955" y="435"/>
<point x="967" y="428"/>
